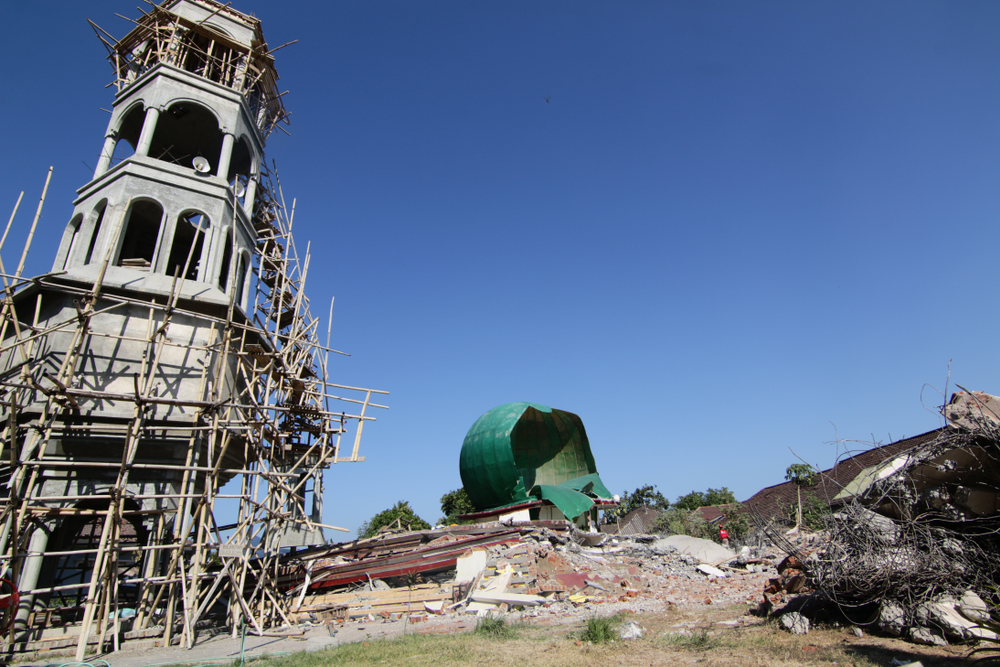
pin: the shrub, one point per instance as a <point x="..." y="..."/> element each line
<point x="685" y="522"/>
<point x="494" y="627"/>
<point x="601" y="629"/>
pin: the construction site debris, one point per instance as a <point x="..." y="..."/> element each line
<point x="706" y="551"/>
<point x="915" y="543"/>
<point x="795" y="623"/>
<point x="531" y="567"/>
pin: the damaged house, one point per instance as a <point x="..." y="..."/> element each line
<point x="777" y="503"/>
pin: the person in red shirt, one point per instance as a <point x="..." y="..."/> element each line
<point x="724" y="536"/>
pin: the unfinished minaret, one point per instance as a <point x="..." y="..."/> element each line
<point x="170" y="351"/>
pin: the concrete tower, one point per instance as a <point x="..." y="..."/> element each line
<point x="170" y="351"/>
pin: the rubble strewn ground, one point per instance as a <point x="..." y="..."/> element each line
<point x="552" y="586"/>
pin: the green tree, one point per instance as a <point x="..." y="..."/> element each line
<point x="691" y="501"/>
<point x="400" y="514"/>
<point x="689" y="522"/>
<point x="646" y="496"/>
<point x="721" y="496"/>
<point x="454" y="503"/>
<point x="800" y="474"/>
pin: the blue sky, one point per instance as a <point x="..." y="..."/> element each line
<point x="733" y="228"/>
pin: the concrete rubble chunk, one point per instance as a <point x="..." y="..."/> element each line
<point x="705" y="551"/>
<point x="945" y="615"/>
<point x="974" y="607"/>
<point x="921" y="635"/>
<point x="892" y="618"/>
<point x="631" y="630"/>
<point x="795" y="623"/>
<point x="710" y="571"/>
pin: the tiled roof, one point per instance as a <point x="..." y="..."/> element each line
<point x="713" y="513"/>
<point x="640" y="521"/>
<point x="775" y="502"/>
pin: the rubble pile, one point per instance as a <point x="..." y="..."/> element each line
<point x="544" y="571"/>
<point x="915" y="546"/>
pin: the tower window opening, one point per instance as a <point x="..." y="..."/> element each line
<point x="189" y="237"/>
<point x="99" y="212"/>
<point x="128" y="133"/>
<point x="74" y="226"/>
<point x="227" y="258"/>
<point x="240" y="162"/>
<point x="141" y="234"/>
<point x="184" y="132"/>
<point x="241" y="277"/>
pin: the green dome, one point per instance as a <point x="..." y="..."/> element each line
<point x="515" y="452"/>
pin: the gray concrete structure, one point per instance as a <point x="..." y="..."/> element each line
<point x="170" y="351"/>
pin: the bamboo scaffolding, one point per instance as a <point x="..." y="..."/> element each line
<point x="264" y="412"/>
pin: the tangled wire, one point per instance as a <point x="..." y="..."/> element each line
<point x="927" y="524"/>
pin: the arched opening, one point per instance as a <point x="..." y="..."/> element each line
<point x="128" y="133"/>
<point x="227" y="258"/>
<point x="99" y="210"/>
<point x="241" y="278"/>
<point x="73" y="230"/>
<point x="142" y="230"/>
<point x="240" y="163"/>
<point x="185" y="131"/>
<point x="185" y="251"/>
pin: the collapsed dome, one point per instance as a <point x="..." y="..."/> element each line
<point x="523" y="452"/>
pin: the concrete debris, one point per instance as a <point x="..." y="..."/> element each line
<point x="921" y="635"/>
<point x="892" y="618"/>
<point x="914" y="540"/>
<point x="706" y="551"/>
<point x="631" y="630"/>
<point x="527" y="569"/>
<point x="944" y="615"/>
<point x="795" y="623"/>
<point x="710" y="571"/>
<point x="973" y="607"/>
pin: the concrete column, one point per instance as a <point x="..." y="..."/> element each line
<point x="29" y="575"/>
<point x="249" y="197"/>
<point x="146" y="136"/>
<point x="225" y="155"/>
<point x="105" y="161"/>
<point x="209" y="254"/>
<point x="317" y="508"/>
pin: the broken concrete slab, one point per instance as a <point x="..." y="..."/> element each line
<point x="513" y="599"/>
<point x="706" y="551"/>
<point x="710" y="571"/>
<point x="920" y="635"/>
<point x="945" y="615"/>
<point x="470" y="565"/>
